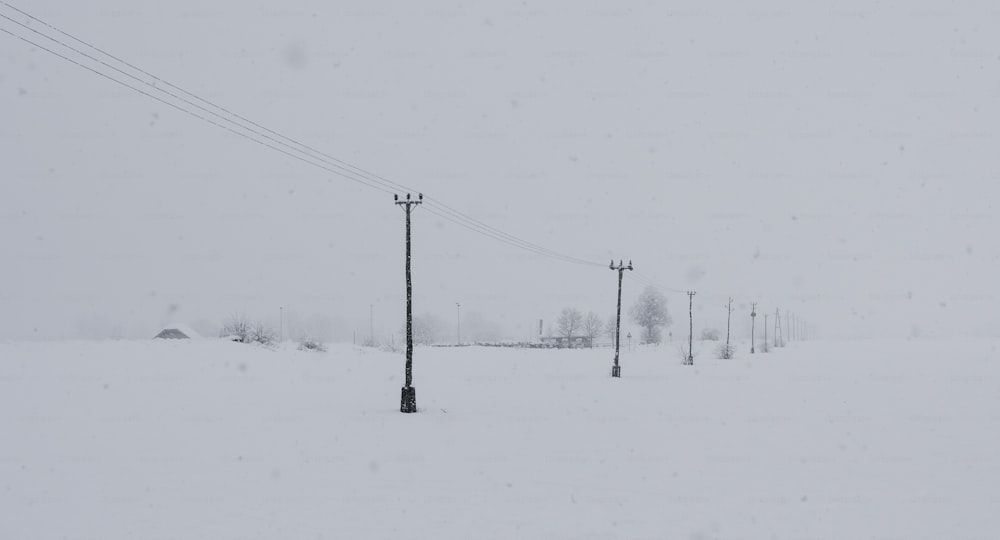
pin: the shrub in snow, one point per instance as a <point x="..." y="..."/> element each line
<point x="307" y="344"/>
<point x="262" y="334"/>
<point x="236" y="328"/>
<point x="240" y="328"/>
<point x="726" y="352"/>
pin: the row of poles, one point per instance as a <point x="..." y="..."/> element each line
<point x="408" y="395"/>
<point x="797" y="327"/>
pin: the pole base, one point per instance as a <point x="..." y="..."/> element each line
<point x="408" y="400"/>
<point x="689" y="361"/>
<point x="616" y="371"/>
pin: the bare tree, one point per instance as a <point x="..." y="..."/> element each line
<point x="650" y="312"/>
<point x="592" y="326"/>
<point x="240" y="328"/>
<point x="262" y="334"/>
<point x="569" y="322"/>
<point x="237" y="328"/>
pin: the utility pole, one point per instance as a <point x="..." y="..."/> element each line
<point x="765" y="334"/>
<point x="753" y="319"/>
<point x="458" y="321"/>
<point x="690" y="358"/>
<point x="788" y="324"/>
<point x="616" y="370"/>
<point x="408" y="399"/>
<point x="779" y="340"/>
<point x="729" y="315"/>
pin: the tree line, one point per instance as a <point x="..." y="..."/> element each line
<point x="649" y="312"/>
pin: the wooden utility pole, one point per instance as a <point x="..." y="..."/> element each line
<point x="408" y="399"/>
<point x="753" y="320"/>
<point x="788" y="324"/>
<point x="616" y="369"/>
<point x="779" y="340"/>
<point x="690" y="358"/>
<point x="764" y="349"/>
<point x="729" y="316"/>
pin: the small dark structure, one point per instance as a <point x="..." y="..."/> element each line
<point x="171" y="333"/>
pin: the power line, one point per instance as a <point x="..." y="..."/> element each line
<point x="646" y="280"/>
<point x="293" y="148"/>
<point x="171" y="94"/>
<point x="380" y="179"/>
<point x="186" y="111"/>
<point x="336" y="166"/>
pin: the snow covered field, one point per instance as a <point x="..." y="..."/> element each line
<point x="217" y="440"/>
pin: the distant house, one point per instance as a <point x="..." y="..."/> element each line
<point x="177" y="331"/>
<point x="562" y="342"/>
<point x="171" y="333"/>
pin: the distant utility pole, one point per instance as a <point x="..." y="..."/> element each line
<point x="616" y="370"/>
<point x="408" y="399"/>
<point x="753" y="319"/>
<point x="690" y="358"/>
<point x="729" y="315"/>
<point x="458" y="321"/>
<point x="779" y="340"/>
<point x="788" y="325"/>
<point x="765" y="334"/>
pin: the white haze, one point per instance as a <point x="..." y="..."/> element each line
<point x="837" y="160"/>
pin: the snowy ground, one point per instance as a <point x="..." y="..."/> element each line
<point x="216" y="440"/>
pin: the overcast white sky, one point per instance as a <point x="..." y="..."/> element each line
<point x="837" y="159"/>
